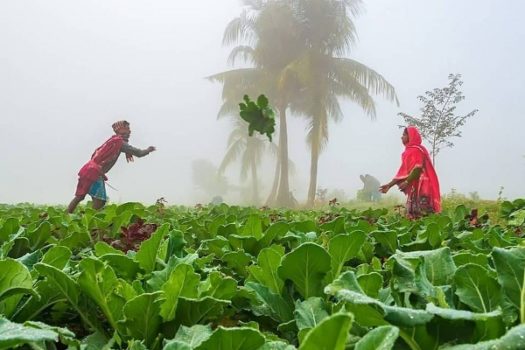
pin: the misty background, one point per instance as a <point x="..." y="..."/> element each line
<point x="69" y="69"/>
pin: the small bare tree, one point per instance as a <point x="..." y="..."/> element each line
<point x="439" y="122"/>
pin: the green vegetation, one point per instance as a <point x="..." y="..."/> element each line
<point x="221" y="277"/>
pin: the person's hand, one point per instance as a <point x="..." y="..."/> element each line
<point x="384" y="189"/>
<point x="403" y="186"/>
<point x="151" y="149"/>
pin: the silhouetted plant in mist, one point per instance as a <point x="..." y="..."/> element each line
<point x="206" y="177"/>
<point x="438" y="122"/>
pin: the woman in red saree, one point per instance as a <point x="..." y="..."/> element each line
<point x="416" y="177"/>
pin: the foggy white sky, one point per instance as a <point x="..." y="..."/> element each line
<point x="68" y="69"/>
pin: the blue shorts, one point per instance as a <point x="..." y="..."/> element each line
<point x="98" y="190"/>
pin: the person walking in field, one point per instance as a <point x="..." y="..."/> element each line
<point x="370" y="188"/>
<point x="91" y="176"/>
<point x="416" y="177"/>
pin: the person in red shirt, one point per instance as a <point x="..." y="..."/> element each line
<point x="92" y="175"/>
<point x="416" y="177"/>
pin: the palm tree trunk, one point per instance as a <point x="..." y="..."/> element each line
<point x="255" y="187"/>
<point x="283" y="194"/>
<point x="314" y="160"/>
<point x="273" y="193"/>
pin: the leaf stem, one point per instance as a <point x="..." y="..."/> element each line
<point x="409" y="340"/>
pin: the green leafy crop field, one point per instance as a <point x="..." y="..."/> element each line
<point x="223" y="277"/>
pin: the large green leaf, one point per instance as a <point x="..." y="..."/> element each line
<point x="371" y="283"/>
<point x="510" y="265"/>
<point x="15" y="281"/>
<point x="477" y="289"/>
<point x="237" y="261"/>
<point x="344" y="247"/>
<point x="100" y="283"/>
<point x="123" y="265"/>
<point x="487" y="325"/>
<point x="252" y="227"/>
<point x="61" y="281"/>
<point x="66" y="287"/>
<point x="102" y="248"/>
<point x="347" y="289"/>
<point x="265" y="272"/>
<point x="272" y="305"/>
<point x="176" y="244"/>
<point x="439" y="265"/>
<point x="275" y="231"/>
<point x="306" y="267"/>
<point x="189" y="337"/>
<point x="96" y="341"/>
<point x="147" y="254"/>
<point x="13" y="335"/>
<point x="142" y="320"/>
<point x="387" y="239"/>
<point x="30" y="259"/>
<point x="276" y="345"/>
<point x="219" y="286"/>
<point x="192" y="311"/>
<point x="330" y="334"/>
<point x="38" y="237"/>
<point x="309" y="313"/>
<point x="233" y="339"/>
<point x="158" y="278"/>
<point x="48" y="295"/>
<point x="57" y="256"/>
<point x="9" y="227"/>
<point x="452" y="314"/>
<point x="513" y="340"/>
<point x="467" y="257"/>
<point x="380" y="338"/>
<point x="183" y="281"/>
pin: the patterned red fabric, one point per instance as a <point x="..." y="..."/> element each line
<point x="416" y="154"/>
<point x="105" y="154"/>
<point x="83" y="186"/>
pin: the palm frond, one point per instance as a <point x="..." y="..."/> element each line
<point x="229" y="108"/>
<point x="240" y="29"/>
<point x="333" y="108"/>
<point x="233" y="152"/>
<point x="355" y="92"/>
<point x="355" y="6"/>
<point x="366" y="76"/>
<point x="244" y="51"/>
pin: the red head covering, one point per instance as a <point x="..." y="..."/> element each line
<point x="416" y="154"/>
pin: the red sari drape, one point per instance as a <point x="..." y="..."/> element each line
<point x="416" y="155"/>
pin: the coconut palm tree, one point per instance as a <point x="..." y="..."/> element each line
<point x="250" y="150"/>
<point x="265" y="38"/>
<point x="325" y="74"/>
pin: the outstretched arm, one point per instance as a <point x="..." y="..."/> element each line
<point x="385" y="188"/>
<point x="414" y="175"/>
<point x="128" y="149"/>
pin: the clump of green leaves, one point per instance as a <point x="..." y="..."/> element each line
<point x="259" y="115"/>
